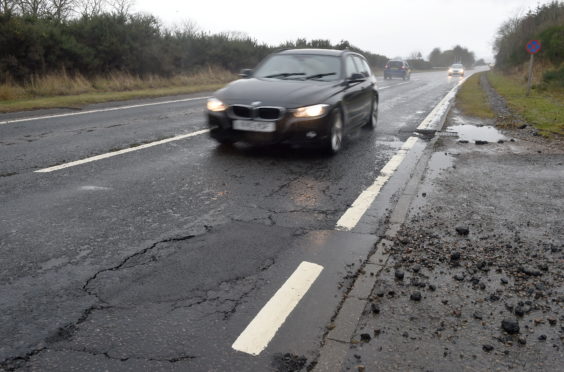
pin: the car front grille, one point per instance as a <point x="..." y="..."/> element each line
<point x="261" y="112"/>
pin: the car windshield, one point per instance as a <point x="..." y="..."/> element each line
<point x="457" y="65"/>
<point x="300" y="67"/>
<point x="395" y="64"/>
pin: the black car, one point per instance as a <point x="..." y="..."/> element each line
<point x="397" y="68"/>
<point x="298" y="96"/>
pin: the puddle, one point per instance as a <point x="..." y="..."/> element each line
<point x="472" y="133"/>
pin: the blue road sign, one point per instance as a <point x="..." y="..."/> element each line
<point x="533" y="46"/>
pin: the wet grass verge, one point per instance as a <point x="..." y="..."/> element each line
<point x="472" y="100"/>
<point x="76" y="101"/>
<point x="544" y="109"/>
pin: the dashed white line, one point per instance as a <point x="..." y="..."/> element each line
<point x="351" y="217"/>
<point x="120" y="152"/>
<point x="96" y="111"/>
<point x="258" y="334"/>
<point x="391" y="86"/>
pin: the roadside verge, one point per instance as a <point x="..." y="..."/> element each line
<point x="467" y="271"/>
<point x="337" y="340"/>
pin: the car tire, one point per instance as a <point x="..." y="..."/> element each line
<point x="224" y="141"/>
<point x="336" y="134"/>
<point x="373" y="120"/>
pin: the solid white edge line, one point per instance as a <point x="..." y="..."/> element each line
<point x="99" y="110"/>
<point x="355" y="212"/>
<point x="391" y="86"/>
<point x="260" y="331"/>
<point x="119" y="152"/>
<point x="441" y="107"/>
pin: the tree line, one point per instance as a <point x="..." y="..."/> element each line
<point x="458" y="54"/>
<point x="94" y="37"/>
<point x="97" y="37"/>
<point x="545" y="23"/>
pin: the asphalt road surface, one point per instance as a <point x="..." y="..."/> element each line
<point x="160" y="258"/>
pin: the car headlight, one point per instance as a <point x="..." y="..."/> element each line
<point x="216" y="105"/>
<point x="450" y="70"/>
<point x="311" y="111"/>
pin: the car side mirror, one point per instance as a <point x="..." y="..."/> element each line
<point x="356" y="77"/>
<point x="246" y="73"/>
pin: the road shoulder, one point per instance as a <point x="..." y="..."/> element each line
<point x="479" y="253"/>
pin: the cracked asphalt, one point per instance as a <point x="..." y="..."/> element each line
<point x="159" y="258"/>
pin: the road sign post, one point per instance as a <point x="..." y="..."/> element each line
<point x="533" y="47"/>
<point x="530" y="74"/>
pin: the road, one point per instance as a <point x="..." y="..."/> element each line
<point x="160" y="258"/>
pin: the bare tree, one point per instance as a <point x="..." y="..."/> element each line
<point x="61" y="9"/>
<point x="7" y="6"/>
<point x="187" y="27"/>
<point x="415" y="55"/>
<point x="90" y="8"/>
<point x="121" y="7"/>
<point x="33" y="8"/>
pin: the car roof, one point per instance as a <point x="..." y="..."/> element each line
<point x="327" y="52"/>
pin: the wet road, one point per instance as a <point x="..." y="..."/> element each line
<point x="159" y="258"/>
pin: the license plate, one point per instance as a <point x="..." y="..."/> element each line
<point x="254" y="126"/>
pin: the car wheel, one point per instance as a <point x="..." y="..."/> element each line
<point x="225" y="141"/>
<point x="371" y="124"/>
<point x="335" y="141"/>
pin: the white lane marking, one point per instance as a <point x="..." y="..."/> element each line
<point x="391" y="86"/>
<point x="96" y="111"/>
<point x="440" y="108"/>
<point x="256" y="337"/>
<point x="355" y="212"/>
<point x="94" y="188"/>
<point x="119" y="152"/>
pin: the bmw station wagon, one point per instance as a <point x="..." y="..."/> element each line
<point x="298" y="96"/>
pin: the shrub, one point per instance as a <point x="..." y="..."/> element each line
<point x="554" y="77"/>
<point x="552" y="40"/>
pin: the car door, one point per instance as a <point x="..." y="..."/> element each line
<point x="366" y="87"/>
<point x="352" y="98"/>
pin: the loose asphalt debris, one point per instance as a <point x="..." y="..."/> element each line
<point x="475" y="276"/>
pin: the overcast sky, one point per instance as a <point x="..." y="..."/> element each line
<point x="389" y="27"/>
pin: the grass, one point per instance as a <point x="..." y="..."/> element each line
<point x="62" y="90"/>
<point x="471" y="99"/>
<point x="544" y="109"/>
